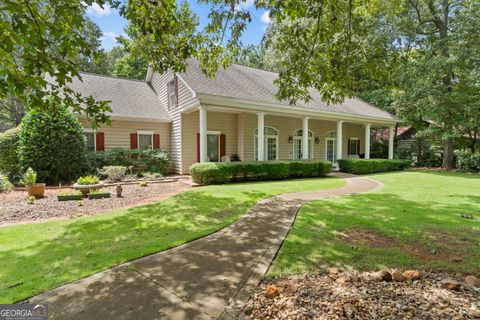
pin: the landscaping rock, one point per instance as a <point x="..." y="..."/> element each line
<point x="318" y="298"/>
<point x="398" y="276"/>
<point x="343" y="279"/>
<point x="472" y="281"/>
<point x="411" y="274"/>
<point x="383" y="275"/>
<point x="450" y="284"/>
<point x="271" y="292"/>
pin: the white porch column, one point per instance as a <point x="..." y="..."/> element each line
<point x="305" y="143"/>
<point x="391" y="135"/>
<point x="203" y="134"/>
<point x="367" y="141"/>
<point x="339" y="139"/>
<point x="260" y="136"/>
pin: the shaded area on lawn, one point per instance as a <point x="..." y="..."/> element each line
<point x="37" y="257"/>
<point x="415" y="221"/>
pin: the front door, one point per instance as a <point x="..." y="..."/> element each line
<point x="331" y="150"/>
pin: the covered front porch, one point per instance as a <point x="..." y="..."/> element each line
<point x="214" y="134"/>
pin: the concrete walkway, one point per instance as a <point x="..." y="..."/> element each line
<point x="209" y="278"/>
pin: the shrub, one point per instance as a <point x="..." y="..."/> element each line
<point x="52" y="142"/>
<point x="467" y="161"/>
<point x="114" y="173"/>
<point x="88" y="180"/>
<point x="29" y="178"/>
<point x="140" y="160"/>
<point x="215" y="173"/>
<point x="5" y="185"/>
<point x="9" y="162"/>
<point x="363" y="166"/>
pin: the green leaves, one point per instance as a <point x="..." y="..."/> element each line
<point x="41" y="37"/>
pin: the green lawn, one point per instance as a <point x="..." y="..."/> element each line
<point x="38" y="257"/>
<point x="414" y="221"/>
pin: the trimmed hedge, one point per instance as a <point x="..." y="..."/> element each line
<point x="363" y="166"/>
<point x="224" y="172"/>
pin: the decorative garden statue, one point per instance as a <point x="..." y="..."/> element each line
<point x="119" y="191"/>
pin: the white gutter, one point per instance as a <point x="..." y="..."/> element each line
<point x="251" y="106"/>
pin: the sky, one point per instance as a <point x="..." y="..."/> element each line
<point x="112" y="25"/>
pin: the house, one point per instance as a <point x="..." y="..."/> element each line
<point x="234" y="116"/>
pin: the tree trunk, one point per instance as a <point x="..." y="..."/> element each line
<point x="473" y="145"/>
<point x="448" y="161"/>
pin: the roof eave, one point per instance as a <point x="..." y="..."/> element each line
<point x="253" y="106"/>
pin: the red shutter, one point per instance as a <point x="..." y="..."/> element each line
<point x="198" y="147"/>
<point x="222" y="146"/>
<point x="100" y="141"/>
<point x="156" y="141"/>
<point x="348" y="147"/>
<point x="133" y="141"/>
<point x="176" y="90"/>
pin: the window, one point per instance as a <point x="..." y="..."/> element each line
<point x="270" y="143"/>
<point x="298" y="145"/>
<point x="145" y="140"/>
<point x="331" y="146"/>
<point x="172" y="94"/>
<point x="213" y="146"/>
<point x="353" y="146"/>
<point x="91" y="143"/>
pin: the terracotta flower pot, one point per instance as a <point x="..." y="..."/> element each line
<point x="37" y="190"/>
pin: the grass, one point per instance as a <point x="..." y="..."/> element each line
<point x="38" y="257"/>
<point x="414" y="221"/>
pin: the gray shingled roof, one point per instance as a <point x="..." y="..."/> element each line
<point x="256" y="85"/>
<point x="129" y="98"/>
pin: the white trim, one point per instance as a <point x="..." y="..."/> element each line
<point x="214" y="132"/>
<point x="254" y="106"/>
<point x="367" y="141"/>
<point x="149" y="75"/>
<point x="310" y="141"/>
<point x="144" y="133"/>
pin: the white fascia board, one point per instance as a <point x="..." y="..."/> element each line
<point x="285" y="110"/>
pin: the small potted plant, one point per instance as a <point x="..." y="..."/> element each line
<point x="87" y="184"/>
<point x="34" y="189"/>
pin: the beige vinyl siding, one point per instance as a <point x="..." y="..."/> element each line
<point x="226" y="123"/>
<point x="185" y="98"/>
<point x="117" y="136"/>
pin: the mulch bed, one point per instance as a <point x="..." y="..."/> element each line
<point x="15" y="209"/>
<point x="349" y="296"/>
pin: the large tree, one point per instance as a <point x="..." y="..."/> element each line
<point x="438" y="78"/>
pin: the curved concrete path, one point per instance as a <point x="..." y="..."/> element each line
<point x="209" y="278"/>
